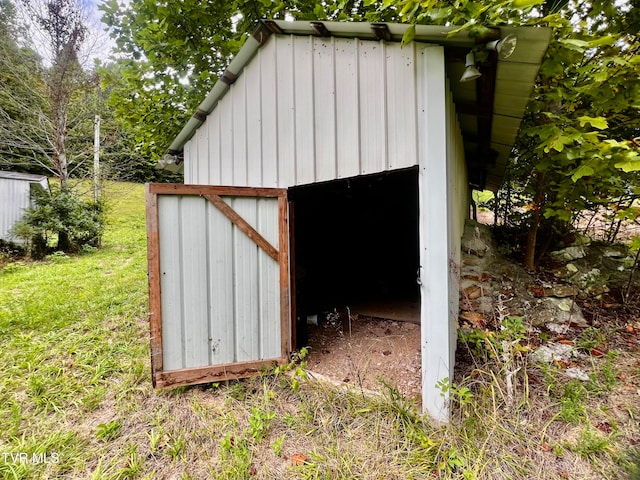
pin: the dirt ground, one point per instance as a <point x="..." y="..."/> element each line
<point x="372" y="350"/>
<point x="367" y="351"/>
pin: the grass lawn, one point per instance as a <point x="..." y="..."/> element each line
<point x="76" y="399"/>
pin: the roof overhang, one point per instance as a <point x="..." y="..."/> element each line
<point x="490" y="109"/>
<point x="26" y="177"/>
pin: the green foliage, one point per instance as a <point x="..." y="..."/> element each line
<point x="176" y="447"/>
<point x="236" y="457"/>
<point x="23" y="105"/>
<point x="171" y="54"/>
<point x="460" y="395"/>
<point x="632" y="463"/>
<point x="591" y="443"/>
<point x="61" y="215"/>
<point x="578" y="147"/>
<point x="259" y="423"/>
<point x="74" y="338"/>
<point x="591" y="338"/>
<point x="276" y="446"/>
<point x="108" y="431"/>
<point x="46" y="114"/>
<point x="572" y="402"/>
<point x="578" y="139"/>
<point x="490" y="345"/>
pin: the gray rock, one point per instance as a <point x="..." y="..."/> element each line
<point x="475" y="246"/>
<point x="557" y="328"/>
<point x="556" y="310"/>
<point x="552" y="352"/>
<point x="561" y="291"/>
<point x="486" y="305"/>
<point x="470" y="260"/>
<point x="581" y="240"/>
<point x="577" y="373"/>
<point x="568" y="254"/>
<point x="476" y="239"/>
<point x="613" y="253"/>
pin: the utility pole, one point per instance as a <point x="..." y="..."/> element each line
<point x="96" y="158"/>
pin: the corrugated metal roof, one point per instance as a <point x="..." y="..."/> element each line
<point x="22" y="176"/>
<point x="490" y="109"/>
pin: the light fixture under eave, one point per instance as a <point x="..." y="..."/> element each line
<point x="505" y="46"/>
<point x="471" y="72"/>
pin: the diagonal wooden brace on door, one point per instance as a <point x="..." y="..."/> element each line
<point x="243" y="225"/>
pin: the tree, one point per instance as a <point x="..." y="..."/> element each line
<point x="578" y="147"/>
<point x="122" y="158"/>
<point x="66" y="31"/>
<point x="169" y="54"/>
<point x="43" y="109"/>
<point x="46" y="110"/>
<point x="22" y="96"/>
<point x="583" y="121"/>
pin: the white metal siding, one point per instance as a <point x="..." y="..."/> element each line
<point x="214" y="276"/>
<point x="15" y="197"/>
<point x="458" y="211"/>
<point x="306" y="110"/>
<point x="309" y="109"/>
<point x="443" y="208"/>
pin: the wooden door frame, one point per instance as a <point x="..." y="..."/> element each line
<point x="228" y="371"/>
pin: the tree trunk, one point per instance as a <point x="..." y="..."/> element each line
<point x="60" y="161"/>
<point x="63" y="242"/>
<point x="532" y="234"/>
<point x="60" y="97"/>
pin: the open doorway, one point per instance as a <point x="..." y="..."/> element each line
<point x="355" y="255"/>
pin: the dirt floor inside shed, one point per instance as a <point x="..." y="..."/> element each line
<point x="372" y="351"/>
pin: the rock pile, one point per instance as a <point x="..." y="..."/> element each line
<point x="493" y="288"/>
<point x="491" y="284"/>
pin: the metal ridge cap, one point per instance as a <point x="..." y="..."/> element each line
<point x="365" y="30"/>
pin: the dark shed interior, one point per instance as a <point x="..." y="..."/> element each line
<point x="355" y="241"/>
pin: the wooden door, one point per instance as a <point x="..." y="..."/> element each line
<point x="219" y="291"/>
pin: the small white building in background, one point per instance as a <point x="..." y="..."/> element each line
<point x="16" y="195"/>
<point x="328" y="164"/>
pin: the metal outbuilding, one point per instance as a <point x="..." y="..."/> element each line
<point x="328" y="162"/>
<point x="16" y="194"/>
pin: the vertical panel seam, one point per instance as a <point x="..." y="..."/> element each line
<point x="260" y="60"/>
<point x="246" y="126"/>
<point x="259" y="268"/>
<point x="195" y="168"/>
<point x="276" y="113"/>
<point x="205" y="143"/>
<point x="219" y="143"/>
<point x="358" y="104"/>
<point x="182" y="280"/>
<point x="210" y="146"/>
<point x="385" y="109"/>
<point x="335" y="108"/>
<point x="233" y="134"/>
<point x="234" y="290"/>
<point x="207" y="232"/>
<point x="313" y="109"/>
<point x="416" y="110"/>
<point x="295" y="107"/>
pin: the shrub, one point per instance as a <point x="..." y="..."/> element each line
<point x="61" y="221"/>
